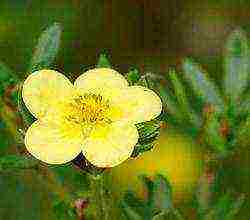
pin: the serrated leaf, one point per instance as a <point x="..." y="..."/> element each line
<point x="162" y="194"/>
<point x="103" y="61"/>
<point x="181" y="97"/>
<point x="15" y="162"/>
<point x="141" y="148"/>
<point x="148" y="133"/>
<point x="202" y="86"/>
<point x="47" y="48"/>
<point x="236" y="65"/>
<point x="148" y="130"/>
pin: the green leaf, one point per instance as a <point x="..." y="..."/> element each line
<point x="7" y="78"/>
<point x="213" y="136"/>
<point x="149" y="189"/>
<point x="103" y="61"/>
<point x="243" y="133"/>
<point x="169" y="103"/>
<point x="162" y="194"/>
<point x="130" y="213"/>
<point x="131" y="200"/>
<point x="181" y="97"/>
<point x="27" y="117"/>
<point x="143" y="81"/>
<point x="148" y="134"/>
<point x="244" y="107"/>
<point x="236" y="206"/>
<point x="47" y="48"/>
<point x="63" y="210"/>
<point x="15" y="162"/>
<point x="226" y="207"/>
<point x="236" y="65"/>
<point x="133" y="76"/>
<point x="201" y="85"/>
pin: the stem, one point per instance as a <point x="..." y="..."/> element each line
<point x="100" y="197"/>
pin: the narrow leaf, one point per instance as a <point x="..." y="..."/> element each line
<point x="213" y="136"/>
<point x="47" y="48"/>
<point x="201" y="85"/>
<point x="181" y="97"/>
<point x="168" y="101"/>
<point x="27" y="117"/>
<point x="133" y="201"/>
<point x="236" y="65"/>
<point x="103" y="61"/>
<point x="130" y="213"/>
<point x="162" y="194"/>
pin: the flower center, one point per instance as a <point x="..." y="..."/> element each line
<point x="89" y="109"/>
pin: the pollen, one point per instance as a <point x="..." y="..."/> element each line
<point x="89" y="109"/>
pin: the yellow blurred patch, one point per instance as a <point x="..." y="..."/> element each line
<point x="175" y="156"/>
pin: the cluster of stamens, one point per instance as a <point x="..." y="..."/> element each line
<point x="89" y="109"/>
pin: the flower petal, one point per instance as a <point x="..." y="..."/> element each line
<point x="100" y="78"/>
<point x="43" y="91"/>
<point x="53" y="144"/>
<point x="137" y="104"/>
<point x="110" y="145"/>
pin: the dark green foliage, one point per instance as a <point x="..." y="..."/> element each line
<point x="217" y="122"/>
<point x="133" y="76"/>
<point x="15" y="162"/>
<point x="226" y="207"/>
<point x="148" y="133"/>
<point x="7" y="78"/>
<point x="64" y="210"/>
<point x="103" y="61"/>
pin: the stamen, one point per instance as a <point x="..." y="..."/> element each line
<point x="89" y="109"/>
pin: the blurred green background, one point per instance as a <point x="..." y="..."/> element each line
<point x="151" y="35"/>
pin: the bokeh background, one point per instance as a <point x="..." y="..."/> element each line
<point x="150" y="35"/>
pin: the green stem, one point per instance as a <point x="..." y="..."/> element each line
<point x="99" y="197"/>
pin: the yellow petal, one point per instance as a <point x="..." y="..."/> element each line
<point x="53" y="144"/>
<point x="111" y="145"/>
<point x="137" y="104"/>
<point x="44" y="90"/>
<point x="99" y="79"/>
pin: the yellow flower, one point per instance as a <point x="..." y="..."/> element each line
<point x="96" y="116"/>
